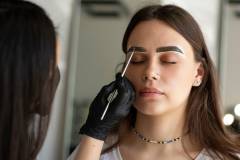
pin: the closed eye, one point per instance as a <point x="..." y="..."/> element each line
<point x="137" y="62"/>
<point x="168" y="62"/>
<point x="138" y="58"/>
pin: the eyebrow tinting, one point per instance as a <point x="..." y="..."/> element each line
<point x="159" y="49"/>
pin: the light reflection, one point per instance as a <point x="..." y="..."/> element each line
<point x="228" y="119"/>
<point x="237" y="110"/>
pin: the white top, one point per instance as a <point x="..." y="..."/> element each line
<point x="116" y="155"/>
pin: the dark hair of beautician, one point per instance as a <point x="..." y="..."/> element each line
<point x="28" y="78"/>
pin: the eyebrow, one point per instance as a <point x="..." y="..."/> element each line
<point x="159" y="49"/>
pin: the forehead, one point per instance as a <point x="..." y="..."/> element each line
<point x="153" y="34"/>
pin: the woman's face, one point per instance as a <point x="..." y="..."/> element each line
<point x="162" y="69"/>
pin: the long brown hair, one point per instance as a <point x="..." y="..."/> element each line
<point x="28" y="78"/>
<point x="203" y="116"/>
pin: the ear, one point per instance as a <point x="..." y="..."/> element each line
<point x="199" y="74"/>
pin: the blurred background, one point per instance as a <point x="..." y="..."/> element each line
<point x="90" y="33"/>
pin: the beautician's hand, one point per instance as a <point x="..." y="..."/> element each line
<point x="118" y="108"/>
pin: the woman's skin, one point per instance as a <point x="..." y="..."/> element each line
<point x="163" y="81"/>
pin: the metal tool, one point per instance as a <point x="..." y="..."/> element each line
<point x="115" y="92"/>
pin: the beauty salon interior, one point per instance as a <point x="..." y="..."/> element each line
<point x="90" y="34"/>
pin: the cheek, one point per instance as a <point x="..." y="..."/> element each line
<point x="133" y="75"/>
<point x="178" y="86"/>
<point x="178" y="78"/>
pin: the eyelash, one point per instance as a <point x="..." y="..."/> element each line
<point x="167" y="62"/>
<point x="137" y="62"/>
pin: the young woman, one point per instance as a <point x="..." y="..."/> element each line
<point x="28" y="80"/>
<point x="176" y="111"/>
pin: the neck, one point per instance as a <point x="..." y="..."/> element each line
<point x="161" y="127"/>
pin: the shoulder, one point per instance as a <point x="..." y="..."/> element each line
<point x="114" y="154"/>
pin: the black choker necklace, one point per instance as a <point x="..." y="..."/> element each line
<point x="139" y="135"/>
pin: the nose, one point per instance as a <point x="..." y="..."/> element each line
<point x="151" y="71"/>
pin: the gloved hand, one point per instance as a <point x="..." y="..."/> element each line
<point x="118" y="108"/>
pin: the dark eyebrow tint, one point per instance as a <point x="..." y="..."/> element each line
<point x="169" y="48"/>
<point x="137" y="49"/>
<point x="160" y="49"/>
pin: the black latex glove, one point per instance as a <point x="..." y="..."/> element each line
<point x="118" y="108"/>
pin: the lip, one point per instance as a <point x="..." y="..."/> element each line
<point x="150" y="92"/>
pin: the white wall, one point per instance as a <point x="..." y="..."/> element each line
<point x="99" y="53"/>
<point x="230" y="56"/>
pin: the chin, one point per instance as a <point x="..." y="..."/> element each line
<point x="150" y="108"/>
